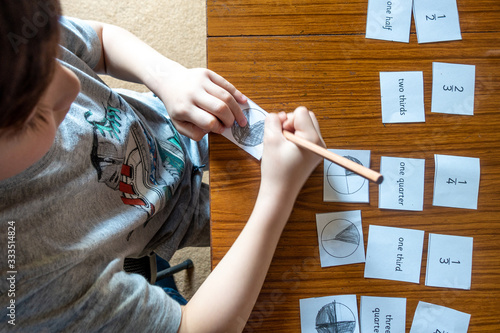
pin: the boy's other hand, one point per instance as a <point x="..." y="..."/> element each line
<point x="285" y="167"/>
<point x="200" y="101"/>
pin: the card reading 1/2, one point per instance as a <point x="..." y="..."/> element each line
<point x="251" y="137"/>
<point x="453" y="88"/>
<point x="402" y="95"/>
<point x="449" y="261"/>
<point x="403" y="185"/>
<point x="456" y="181"/>
<point x="435" y="318"/>
<point x="436" y="21"/>
<point x="382" y="314"/>
<point x="389" y="20"/>
<point x="394" y="253"/>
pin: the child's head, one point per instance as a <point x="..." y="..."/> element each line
<point x="35" y="90"/>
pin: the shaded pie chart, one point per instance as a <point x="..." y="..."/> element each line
<point x="344" y="181"/>
<point x="340" y="238"/>
<point x="252" y="134"/>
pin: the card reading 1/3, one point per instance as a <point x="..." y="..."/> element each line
<point x="389" y="20"/>
<point x="402" y="95"/>
<point x="449" y="261"/>
<point x="453" y="88"/>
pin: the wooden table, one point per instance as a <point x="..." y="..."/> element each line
<point x="285" y="53"/>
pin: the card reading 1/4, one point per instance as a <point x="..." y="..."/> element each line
<point x="436" y="21"/>
<point x="435" y="318"/>
<point x="456" y="181"/>
<point x="402" y="95"/>
<point x="449" y="261"/>
<point x="453" y="88"/>
<point x="394" y="253"/>
<point x="403" y="185"/>
<point x="251" y="137"/>
<point x="389" y="20"/>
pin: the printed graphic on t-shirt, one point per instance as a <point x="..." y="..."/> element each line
<point x="129" y="159"/>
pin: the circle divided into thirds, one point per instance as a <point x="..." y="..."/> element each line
<point x="340" y="238"/>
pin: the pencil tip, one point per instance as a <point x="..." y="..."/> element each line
<point x="380" y="179"/>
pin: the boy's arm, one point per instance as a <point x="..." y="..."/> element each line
<point x="198" y="100"/>
<point x="225" y="300"/>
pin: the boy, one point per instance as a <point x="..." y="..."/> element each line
<point x="89" y="176"/>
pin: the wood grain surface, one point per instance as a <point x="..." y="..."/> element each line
<point x="283" y="54"/>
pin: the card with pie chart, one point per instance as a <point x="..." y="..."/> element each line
<point x="340" y="238"/>
<point x="250" y="137"/>
<point x="342" y="185"/>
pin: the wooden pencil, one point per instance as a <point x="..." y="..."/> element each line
<point x="335" y="158"/>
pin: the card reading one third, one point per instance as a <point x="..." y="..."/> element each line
<point x="394" y="253"/>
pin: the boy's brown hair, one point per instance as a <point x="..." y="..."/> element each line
<point x="29" y="35"/>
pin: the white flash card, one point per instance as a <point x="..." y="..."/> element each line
<point x="449" y="261"/>
<point x="382" y="314"/>
<point x="394" y="254"/>
<point x="453" y="88"/>
<point x="403" y="185"/>
<point x="251" y="137"/>
<point x="456" y="181"/>
<point x="436" y="21"/>
<point x="402" y="95"/>
<point x="340" y="238"/>
<point x="324" y="314"/>
<point x="389" y="20"/>
<point x="342" y="185"/>
<point x="435" y="318"/>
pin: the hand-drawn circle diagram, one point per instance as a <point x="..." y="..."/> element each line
<point x="340" y="238"/>
<point x="335" y="317"/>
<point x="252" y="134"/>
<point x="344" y="181"/>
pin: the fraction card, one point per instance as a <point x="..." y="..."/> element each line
<point x="394" y="253"/>
<point x="251" y="137"/>
<point x="449" y="261"/>
<point x="436" y="21"/>
<point x="329" y="314"/>
<point x="431" y="318"/>
<point x="456" y="181"/>
<point x="403" y="185"/>
<point x="342" y="185"/>
<point x="402" y="95"/>
<point x="340" y="238"/>
<point x="382" y="314"/>
<point x="453" y="88"/>
<point x="389" y="20"/>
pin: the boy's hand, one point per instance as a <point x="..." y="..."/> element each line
<point x="285" y="167"/>
<point x="200" y="101"/>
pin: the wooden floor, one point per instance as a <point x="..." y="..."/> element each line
<point x="287" y="53"/>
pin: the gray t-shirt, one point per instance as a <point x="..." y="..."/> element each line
<point x="119" y="181"/>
